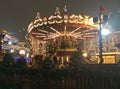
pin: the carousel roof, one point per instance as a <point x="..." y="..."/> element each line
<point x="77" y="26"/>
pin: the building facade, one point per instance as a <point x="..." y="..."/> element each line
<point x="111" y="53"/>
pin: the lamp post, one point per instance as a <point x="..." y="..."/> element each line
<point x="100" y="40"/>
<point x="102" y="31"/>
<point x="100" y="47"/>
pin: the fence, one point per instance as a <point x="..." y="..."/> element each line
<point x="89" y="77"/>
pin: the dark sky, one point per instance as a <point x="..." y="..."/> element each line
<point x="17" y="14"/>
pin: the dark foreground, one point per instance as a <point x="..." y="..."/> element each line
<point x="88" y="77"/>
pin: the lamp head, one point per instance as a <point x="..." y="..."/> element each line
<point x="105" y="32"/>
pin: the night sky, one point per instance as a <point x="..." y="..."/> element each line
<point x="17" y="14"/>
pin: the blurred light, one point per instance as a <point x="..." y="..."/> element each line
<point x="12" y="50"/>
<point x="85" y="54"/>
<point x="105" y="31"/>
<point x="67" y="59"/>
<point x="27" y="55"/>
<point x="32" y="56"/>
<point x="9" y="42"/>
<point x="4" y="31"/>
<point x="22" y="52"/>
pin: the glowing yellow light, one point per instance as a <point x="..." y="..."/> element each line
<point x="22" y="52"/>
<point x="85" y="54"/>
<point x="4" y="31"/>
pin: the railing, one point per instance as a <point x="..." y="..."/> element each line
<point x="89" y="77"/>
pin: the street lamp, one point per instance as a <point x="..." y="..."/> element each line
<point x="103" y="20"/>
<point x="105" y="32"/>
<point x="100" y="47"/>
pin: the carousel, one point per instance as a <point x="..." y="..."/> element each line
<point x="60" y="34"/>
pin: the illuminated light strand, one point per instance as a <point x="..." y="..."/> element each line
<point x="38" y="34"/>
<point x="38" y="24"/>
<point x="30" y="26"/>
<point x="78" y="36"/>
<point x="81" y="38"/>
<point x="41" y="36"/>
<point x="50" y="37"/>
<point x="76" y="19"/>
<point x="81" y="17"/>
<point x="59" y="21"/>
<point x="72" y="16"/>
<point x="77" y="33"/>
<point x="58" y="16"/>
<point x="65" y="29"/>
<point x="75" y="30"/>
<point x="86" y="31"/>
<point x="55" y="30"/>
<point x="38" y="20"/>
<point x="46" y="38"/>
<point x="91" y="33"/>
<point x="51" y="17"/>
<point x="51" y="33"/>
<point x="30" y="29"/>
<point x="65" y="18"/>
<point x="51" y="22"/>
<point x="88" y="36"/>
<point x="43" y="31"/>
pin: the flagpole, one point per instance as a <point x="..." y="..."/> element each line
<point x="100" y="38"/>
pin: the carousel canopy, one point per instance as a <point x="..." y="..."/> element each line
<point x="78" y="26"/>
